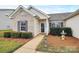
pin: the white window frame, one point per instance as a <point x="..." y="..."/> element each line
<point x="20" y="26"/>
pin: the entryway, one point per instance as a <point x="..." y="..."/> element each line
<point x="42" y="27"/>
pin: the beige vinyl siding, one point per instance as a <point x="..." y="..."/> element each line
<point x="74" y="24"/>
<point x="20" y="16"/>
<point x="38" y="13"/>
<point x="36" y="26"/>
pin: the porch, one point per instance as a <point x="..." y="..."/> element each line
<point x="41" y="26"/>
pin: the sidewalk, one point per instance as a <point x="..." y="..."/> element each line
<point x="31" y="45"/>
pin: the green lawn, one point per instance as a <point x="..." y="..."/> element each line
<point x="7" y="46"/>
<point x="2" y="32"/>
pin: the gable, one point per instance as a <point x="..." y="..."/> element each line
<point x="32" y="11"/>
<point x="19" y="13"/>
<point x="37" y="12"/>
<point x="22" y="15"/>
<point x="18" y="9"/>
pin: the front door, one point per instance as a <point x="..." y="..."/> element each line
<point x="42" y="27"/>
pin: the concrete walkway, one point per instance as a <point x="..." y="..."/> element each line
<point x="31" y="46"/>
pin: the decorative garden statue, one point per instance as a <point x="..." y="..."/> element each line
<point x="63" y="35"/>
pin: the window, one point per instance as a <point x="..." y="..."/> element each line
<point x="53" y="25"/>
<point x="58" y="25"/>
<point x="22" y="25"/>
<point x="61" y="24"/>
<point x="50" y="25"/>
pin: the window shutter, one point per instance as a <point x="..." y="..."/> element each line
<point x="18" y="26"/>
<point x="26" y="26"/>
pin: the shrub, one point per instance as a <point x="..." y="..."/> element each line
<point x="18" y="35"/>
<point x="15" y="35"/>
<point x="26" y="35"/>
<point x="57" y="31"/>
<point x="68" y="31"/>
<point x="7" y="34"/>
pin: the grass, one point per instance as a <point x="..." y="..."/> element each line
<point x="7" y="46"/>
<point x="2" y="32"/>
<point x="55" y="49"/>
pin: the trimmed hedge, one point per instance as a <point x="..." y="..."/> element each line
<point x="57" y="31"/>
<point x="7" y="34"/>
<point x="15" y="34"/>
<point x="18" y="35"/>
<point x="26" y="35"/>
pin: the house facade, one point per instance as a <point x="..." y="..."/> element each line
<point x="29" y="20"/>
<point x="72" y="21"/>
<point x="57" y="20"/>
<point x="36" y="21"/>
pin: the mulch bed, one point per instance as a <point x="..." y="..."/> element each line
<point x="56" y="41"/>
<point x="21" y="40"/>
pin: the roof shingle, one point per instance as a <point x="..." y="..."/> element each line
<point x="59" y="16"/>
